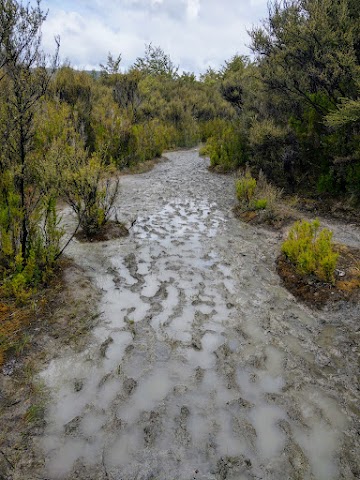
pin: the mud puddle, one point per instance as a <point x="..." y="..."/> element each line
<point x="203" y="366"/>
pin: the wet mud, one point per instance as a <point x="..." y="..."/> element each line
<point x="202" y="366"/>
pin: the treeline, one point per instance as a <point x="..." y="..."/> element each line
<point x="298" y="101"/>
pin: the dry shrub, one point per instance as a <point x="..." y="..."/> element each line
<point x="262" y="198"/>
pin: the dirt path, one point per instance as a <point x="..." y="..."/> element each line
<point x="203" y="366"/>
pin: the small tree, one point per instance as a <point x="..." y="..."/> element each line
<point x="27" y="206"/>
<point x="86" y="183"/>
<point x="156" y="63"/>
<point x="112" y="65"/>
<point x="90" y="194"/>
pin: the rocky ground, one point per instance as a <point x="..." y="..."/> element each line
<point x="202" y="365"/>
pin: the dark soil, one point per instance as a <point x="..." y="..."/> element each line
<point x="330" y="208"/>
<point x="316" y="294"/>
<point x="110" y="231"/>
<point x="262" y="217"/>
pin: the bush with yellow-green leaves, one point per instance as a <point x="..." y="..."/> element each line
<point x="311" y="250"/>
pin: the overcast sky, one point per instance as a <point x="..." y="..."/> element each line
<point x="196" y="33"/>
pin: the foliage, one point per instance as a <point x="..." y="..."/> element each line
<point x="156" y="62"/>
<point x="311" y="250"/>
<point x="245" y="188"/>
<point x="86" y="185"/>
<point x="348" y="114"/>
<point x="29" y="230"/>
<point x="227" y="148"/>
<point x="260" y="204"/>
<point x="112" y="65"/>
<point x="307" y="57"/>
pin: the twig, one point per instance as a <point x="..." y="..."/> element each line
<point x="7" y="460"/>
<point x="133" y="223"/>
<point x="104" y="465"/>
<point x="67" y="243"/>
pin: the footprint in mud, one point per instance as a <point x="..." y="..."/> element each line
<point x="181" y="431"/>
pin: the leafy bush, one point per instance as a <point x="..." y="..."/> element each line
<point x="211" y="128"/>
<point x="150" y="141"/>
<point x="23" y="276"/>
<point x="260" y="197"/>
<point x="311" y="250"/>
<point x="266" y="191"/>
<point x="245" y="188"/>
<point x="203" y="151"/>
<point x="227" y="148"/>
<point x="266" y="140"/>
<point x="86" y="185"/>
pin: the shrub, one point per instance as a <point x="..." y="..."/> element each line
<point x="266" y="191"/>
<point x="19" y="275"/>
<point x="311" y="250"/>
<point x="260" y="204"/>
<point x="227" y="148"/>
<point x="87" y="188"/>
<point x="150" y="141"/>
<point x="245" y="188"/>
<point x="204" y="151"/>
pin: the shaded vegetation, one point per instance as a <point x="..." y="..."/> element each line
<point x="297" y="102"/>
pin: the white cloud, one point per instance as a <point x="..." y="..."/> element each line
<point x="196" y="33"/>
<point x="193" y="8"/>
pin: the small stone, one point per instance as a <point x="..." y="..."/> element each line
<point x="9" y="367"/>
<point x="78" y="385"/>
<point x="196" y="343"/>
<point x="185" y="412"/>
<point x="340" y="273"/>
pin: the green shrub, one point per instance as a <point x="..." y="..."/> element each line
<point x="204" y="151"/>
<point x="150" y="141"/>
<point x="311" y="250"/>
<point x="88" y="188"/>
<point x="211" y="128"/>
<point x="326" y="183"/>
<point x="260" y="204"/>
<point x="227" y="148"/>
<point x="245" y="188"/>
<point x="20" y="276"/>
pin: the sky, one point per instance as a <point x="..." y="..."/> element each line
<point x="197" y="34"/>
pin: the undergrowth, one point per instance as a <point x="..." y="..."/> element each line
<point x="259" y="199"/>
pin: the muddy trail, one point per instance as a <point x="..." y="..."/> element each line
<point x="202" y="366"/>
